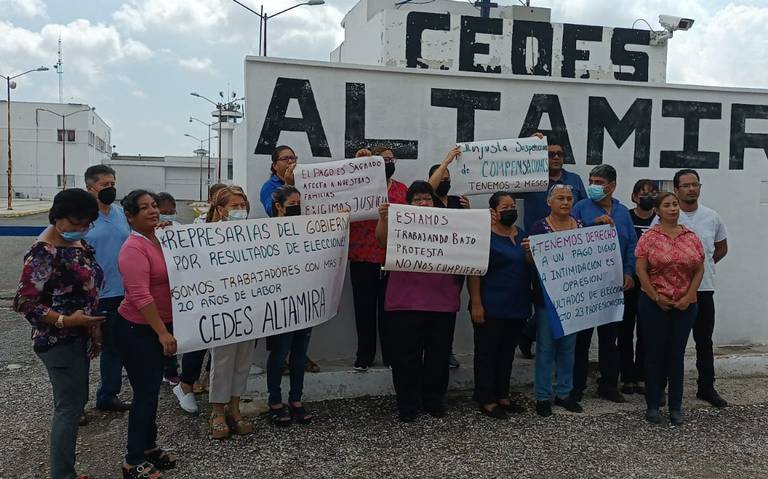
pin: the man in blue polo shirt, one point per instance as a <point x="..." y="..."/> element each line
<point x="109" y="232"/>
<point x="602" y="208"/>
<point x="535" y="203"/>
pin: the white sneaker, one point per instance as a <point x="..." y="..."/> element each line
<point x="186" y="401"/>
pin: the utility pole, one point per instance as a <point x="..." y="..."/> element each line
<point x="59" y="67"/>
<point x="485" y="7"/>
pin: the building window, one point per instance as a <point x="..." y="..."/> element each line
<point x="70" y="135"/>
<point x="70" y="181"/>
<point x="90" y="138"/>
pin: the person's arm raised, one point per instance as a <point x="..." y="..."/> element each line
<point x="382" y="225"/>
<point x="437" y="176"/>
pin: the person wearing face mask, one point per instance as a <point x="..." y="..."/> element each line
<point x="143" y="326"/>
<point x="420" y="308"/>
<point x="58" y="294"/>
<point x="109" y="232"/>
<point x="287" y="202"/>
<point x="167" y="205"/>
<point x="231" y="363"/>
<point x="440" y="179"/>
<point x="368" y="280"/>
<point x="670" y="266"/>
<point x="551" y="352"/>
<point x="500" y="304"/>
<point x="643" y="195"/>
<point x="602" y="208"/>
<point x="283" y="163"/>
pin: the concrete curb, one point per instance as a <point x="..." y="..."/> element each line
<point x="21" y="214"/>
<point x="336" y="382"/>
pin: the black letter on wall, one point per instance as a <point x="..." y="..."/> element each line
<point x="354" y="131"/>
<point x="549" y="104"/>
<point x="275" y="121"/>
<point x="691" y="112"/>
<point x="542" y="32"/>
<point x="740" y="139"/>
<point x="416" y="23"/>
<point x="637" y="60"/>
<point x="572" y="33"/>
<point x="466" y="102"/>
<point x="468" y="47"/>
<point x="602" y="118"/>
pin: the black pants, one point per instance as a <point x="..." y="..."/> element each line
<point x="703" y="328"/>
<point x="192" y="366"/>
<point x="110" y="364"/>
<point x="143" y="359"/>
<point x="608" y="357"/>
<point x="631" y="354"/>
<point x="666" y="337"/>
<point x="368" y="287"/>
<point x="421" y="345"/>
<point x="495" y="343"/>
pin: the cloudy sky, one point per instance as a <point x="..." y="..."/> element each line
<point x="137" y="60"/>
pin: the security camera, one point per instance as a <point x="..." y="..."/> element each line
<point x="672" y="23"/>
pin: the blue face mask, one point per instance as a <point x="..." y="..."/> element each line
<point x="171" y="218"/>
<point x="596" y="192"/>
<point x="72" y="235"/>
<point x="237" y="215"/>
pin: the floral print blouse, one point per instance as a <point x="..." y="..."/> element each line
<point x="61" y="278"/>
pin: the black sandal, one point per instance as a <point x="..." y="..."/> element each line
<point x="300" y="415"/>
<point x="280" y="417"/>
<point x="145" y="470"/>
<point x="161" y="459"/>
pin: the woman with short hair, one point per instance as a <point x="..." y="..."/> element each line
<point x="58" y="293"/>
<point x="670" y="265"/>
<point x="143" y="326"/>
<point x="420" y="309"/>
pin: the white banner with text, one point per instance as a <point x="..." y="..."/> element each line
<point x="581" y="273"/>
<point x="438" y="240"/>
<point x="241" y="280"/>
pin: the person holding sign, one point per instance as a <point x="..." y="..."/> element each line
<point x="420" y="308"/>
<point x="231" y="363"/>
<point x="550" y="351"/>
<point x="143" y="322"/>
<point x="440" y="180"/>
<point x="58" y="294"/>
<point x="500" y="304"/>
<point x="368" y="280"/>
<point x="283" y="163"/>
<point x="670" y="265"/>
<point x="287" y="202"/>
<point x="602" y="208"/>
<point x="536" y="203"/>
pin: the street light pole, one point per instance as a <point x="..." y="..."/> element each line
<point x="63" y="140"/>
<point x="209" y="148"/>
<point x="264" y="17"/>
<point x="8" y="79"/>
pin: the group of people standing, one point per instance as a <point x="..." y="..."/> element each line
<point x="95" y="281"/>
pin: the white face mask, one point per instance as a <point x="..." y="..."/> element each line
<point x="237" y="215"/>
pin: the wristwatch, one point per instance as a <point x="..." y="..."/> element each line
<point x="60" y="322"/>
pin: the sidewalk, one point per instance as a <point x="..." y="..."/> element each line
<point x="22" y="207"/>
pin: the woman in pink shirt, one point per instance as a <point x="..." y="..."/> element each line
<point x="143" y="326"/>
<point x="670" y="265"/>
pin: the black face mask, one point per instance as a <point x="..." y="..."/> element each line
<point x="293" y="210"/>
<point x="389" y="168"/>
<point x="108" y="195"/>
<point x="508" y="217"/>
<point x="646" y="203"/>
<point x="443" y="188"/>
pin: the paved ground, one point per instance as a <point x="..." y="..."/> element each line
<point x="362" y="438"/>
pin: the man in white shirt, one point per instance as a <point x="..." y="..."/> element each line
<point x="709" y="227"/>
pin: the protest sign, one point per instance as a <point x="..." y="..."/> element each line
<point x="581" y="273"/>
<point x="517" y="165"/>
<point x="241" y="280"/>
<point x="358" y="185"/>
<point x="438" y="240"/>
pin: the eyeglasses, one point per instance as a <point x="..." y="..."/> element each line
<point x="421" y="199"/>
<point x="556" y="154"/>
<point x="388" y="159"/>
<point x="288" y="158"/>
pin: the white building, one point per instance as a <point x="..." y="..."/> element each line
<point x="47" y="152"/>
<point x="184" y="177"/>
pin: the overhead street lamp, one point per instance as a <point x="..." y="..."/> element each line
<point x="192" y="118"/>
<point x="263" y="17"/>
<point x="221" y="106"/>
<point x="10" y="85"/>
<point x="63" y="139"/>
<point x="202" y="152"/>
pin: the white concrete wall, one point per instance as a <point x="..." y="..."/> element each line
<point x="36" y="153"/>
<point x="398" y="106"/>
<point x="178" y="175"/>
